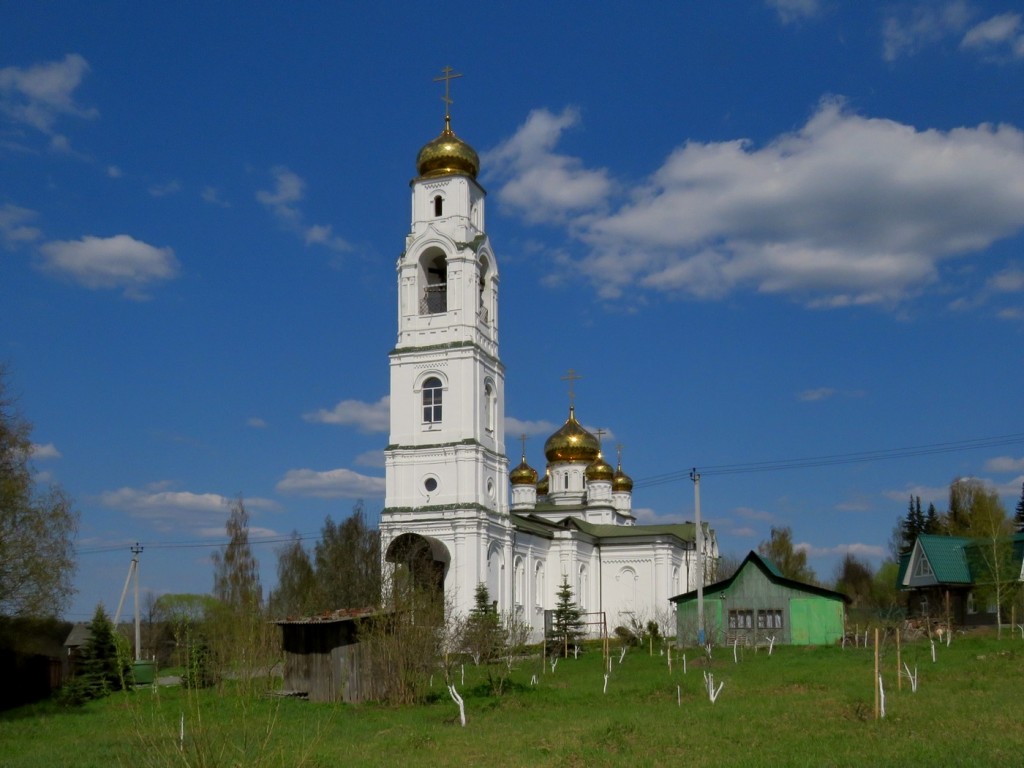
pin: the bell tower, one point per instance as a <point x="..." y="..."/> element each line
<point x="446" y="469"/>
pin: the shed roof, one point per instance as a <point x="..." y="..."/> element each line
<point x="331" y="617"/>
<point x="771" y="572"/>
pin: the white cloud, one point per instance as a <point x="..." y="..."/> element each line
<point x="811" y="395"/>
<point x="289" y="189"/>
<point x="163" y="190"/>
<point x="846" y="211"/>
<point x="368" y="417"/>
<point x="517" y="427"/>
<point x="371" y="459"/>
<point x="857" y="548"/>
<point x="909" y="29"/>
<point x="46" y="451"/>
<point x="114" y="172"/>
<point x="755" y="514"/>
<point x="998" y="36"/>
<point x="826" y="393"/>
<point x="14" y="228"/>
<point x="168" y="509"/>
<point x="538" y="183"/>
<point x="320" y="234"/>
<point x="1010" y="280"/>
<point x="331" y="484"/>
<point x="937" y="495"/>
<point x="36" y="96"/>
<point x="120" y="261"/>
<point x="256" y="422"/>
<point x="1004" y="464"/>
<point x="212" y="196"/>
<point x="791" y="11"/>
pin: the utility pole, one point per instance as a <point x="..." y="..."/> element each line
<point x="133" y="570"/>
<point x="699" y="544"/>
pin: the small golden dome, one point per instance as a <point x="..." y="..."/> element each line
<point x="600" y="470"/>
<point x="542" y="486"/>
<point x="447" y="155"/>
<point x="524" y="474"/>
<point x="572" y="442"/>
<point x="622" y="481"/>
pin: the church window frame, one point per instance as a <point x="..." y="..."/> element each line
<point x="538" y="586"/>
<point x="431" y="389"/>
<point x="433" y="279"/>
<point x="489" y="405"/>
<point x="519" y="584"/>
<point x="438" y="206"/>
<point x="582" y="586"/>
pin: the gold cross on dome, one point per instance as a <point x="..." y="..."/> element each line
<point x="447" y="77"/>
<point x="600" y="433"/>
<point x="572" y="377"/>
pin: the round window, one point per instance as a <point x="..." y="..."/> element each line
<point x="430" y="484"/>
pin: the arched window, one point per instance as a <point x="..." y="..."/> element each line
<point x="538" y="586"/>
<point x="581" y="592"/>
<point x="489" y="406"/>
<point x="520" y="583"/>
<point x="432" y="390"/>
<point x="435" y="286"/>
<point x="438" y="205"/>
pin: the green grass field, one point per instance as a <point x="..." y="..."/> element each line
<point x="800" y="706"/>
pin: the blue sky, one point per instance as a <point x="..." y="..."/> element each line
<point x="760" y="231"/>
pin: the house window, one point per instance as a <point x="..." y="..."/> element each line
<point x="922" y="567"/>
<point x="432" y="400"/>
<point x="770" y="619"/>
<point x="742" y="619"/>
<point x="971" y="607"/>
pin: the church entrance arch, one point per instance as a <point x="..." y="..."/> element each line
<point x="421" y="561"/>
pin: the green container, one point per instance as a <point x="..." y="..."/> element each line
<point x="144" y="672"/>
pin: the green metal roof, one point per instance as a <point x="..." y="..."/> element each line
<point x="947" y="557"/>
<point x="769" y="569"/>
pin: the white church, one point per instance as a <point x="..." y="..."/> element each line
<point x="447" y="502"/>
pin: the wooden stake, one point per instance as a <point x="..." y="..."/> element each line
<point x="899" y="665"/>
<point x="878" y="681"/>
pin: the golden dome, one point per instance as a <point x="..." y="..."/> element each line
<point x="622" y="481"/>
<point x="447" y="155"/>
<point x="572" y="442"/>
<point x="524" y="474"/>
<point x="543" y="485"/>
<point x="600" y="470"/>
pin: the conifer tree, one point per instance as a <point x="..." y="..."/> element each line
<point x="483" y="628"/>
<point x="1018" y="518"/>
<point x="567" y="624"/>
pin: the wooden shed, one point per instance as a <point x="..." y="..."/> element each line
<point x="323" y="658"/>
<point x="758" y="603"/>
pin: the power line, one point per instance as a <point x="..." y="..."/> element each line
<point x="839" y="458"/>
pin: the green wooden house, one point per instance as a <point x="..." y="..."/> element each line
<point x="758" y="603"/>
<point x="951" y="577"/>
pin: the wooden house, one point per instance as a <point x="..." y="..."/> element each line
<point x="949" y="577"/>
<point x="323" y="658"/>
<point x="758" y="603"/>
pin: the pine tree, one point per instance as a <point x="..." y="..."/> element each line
<point x="103" y="665"/>
<point x="567" y="624"/>
<point x="932" y="521"/>
<point x="483" y="628"/>
<point x="1018" y="519"/>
